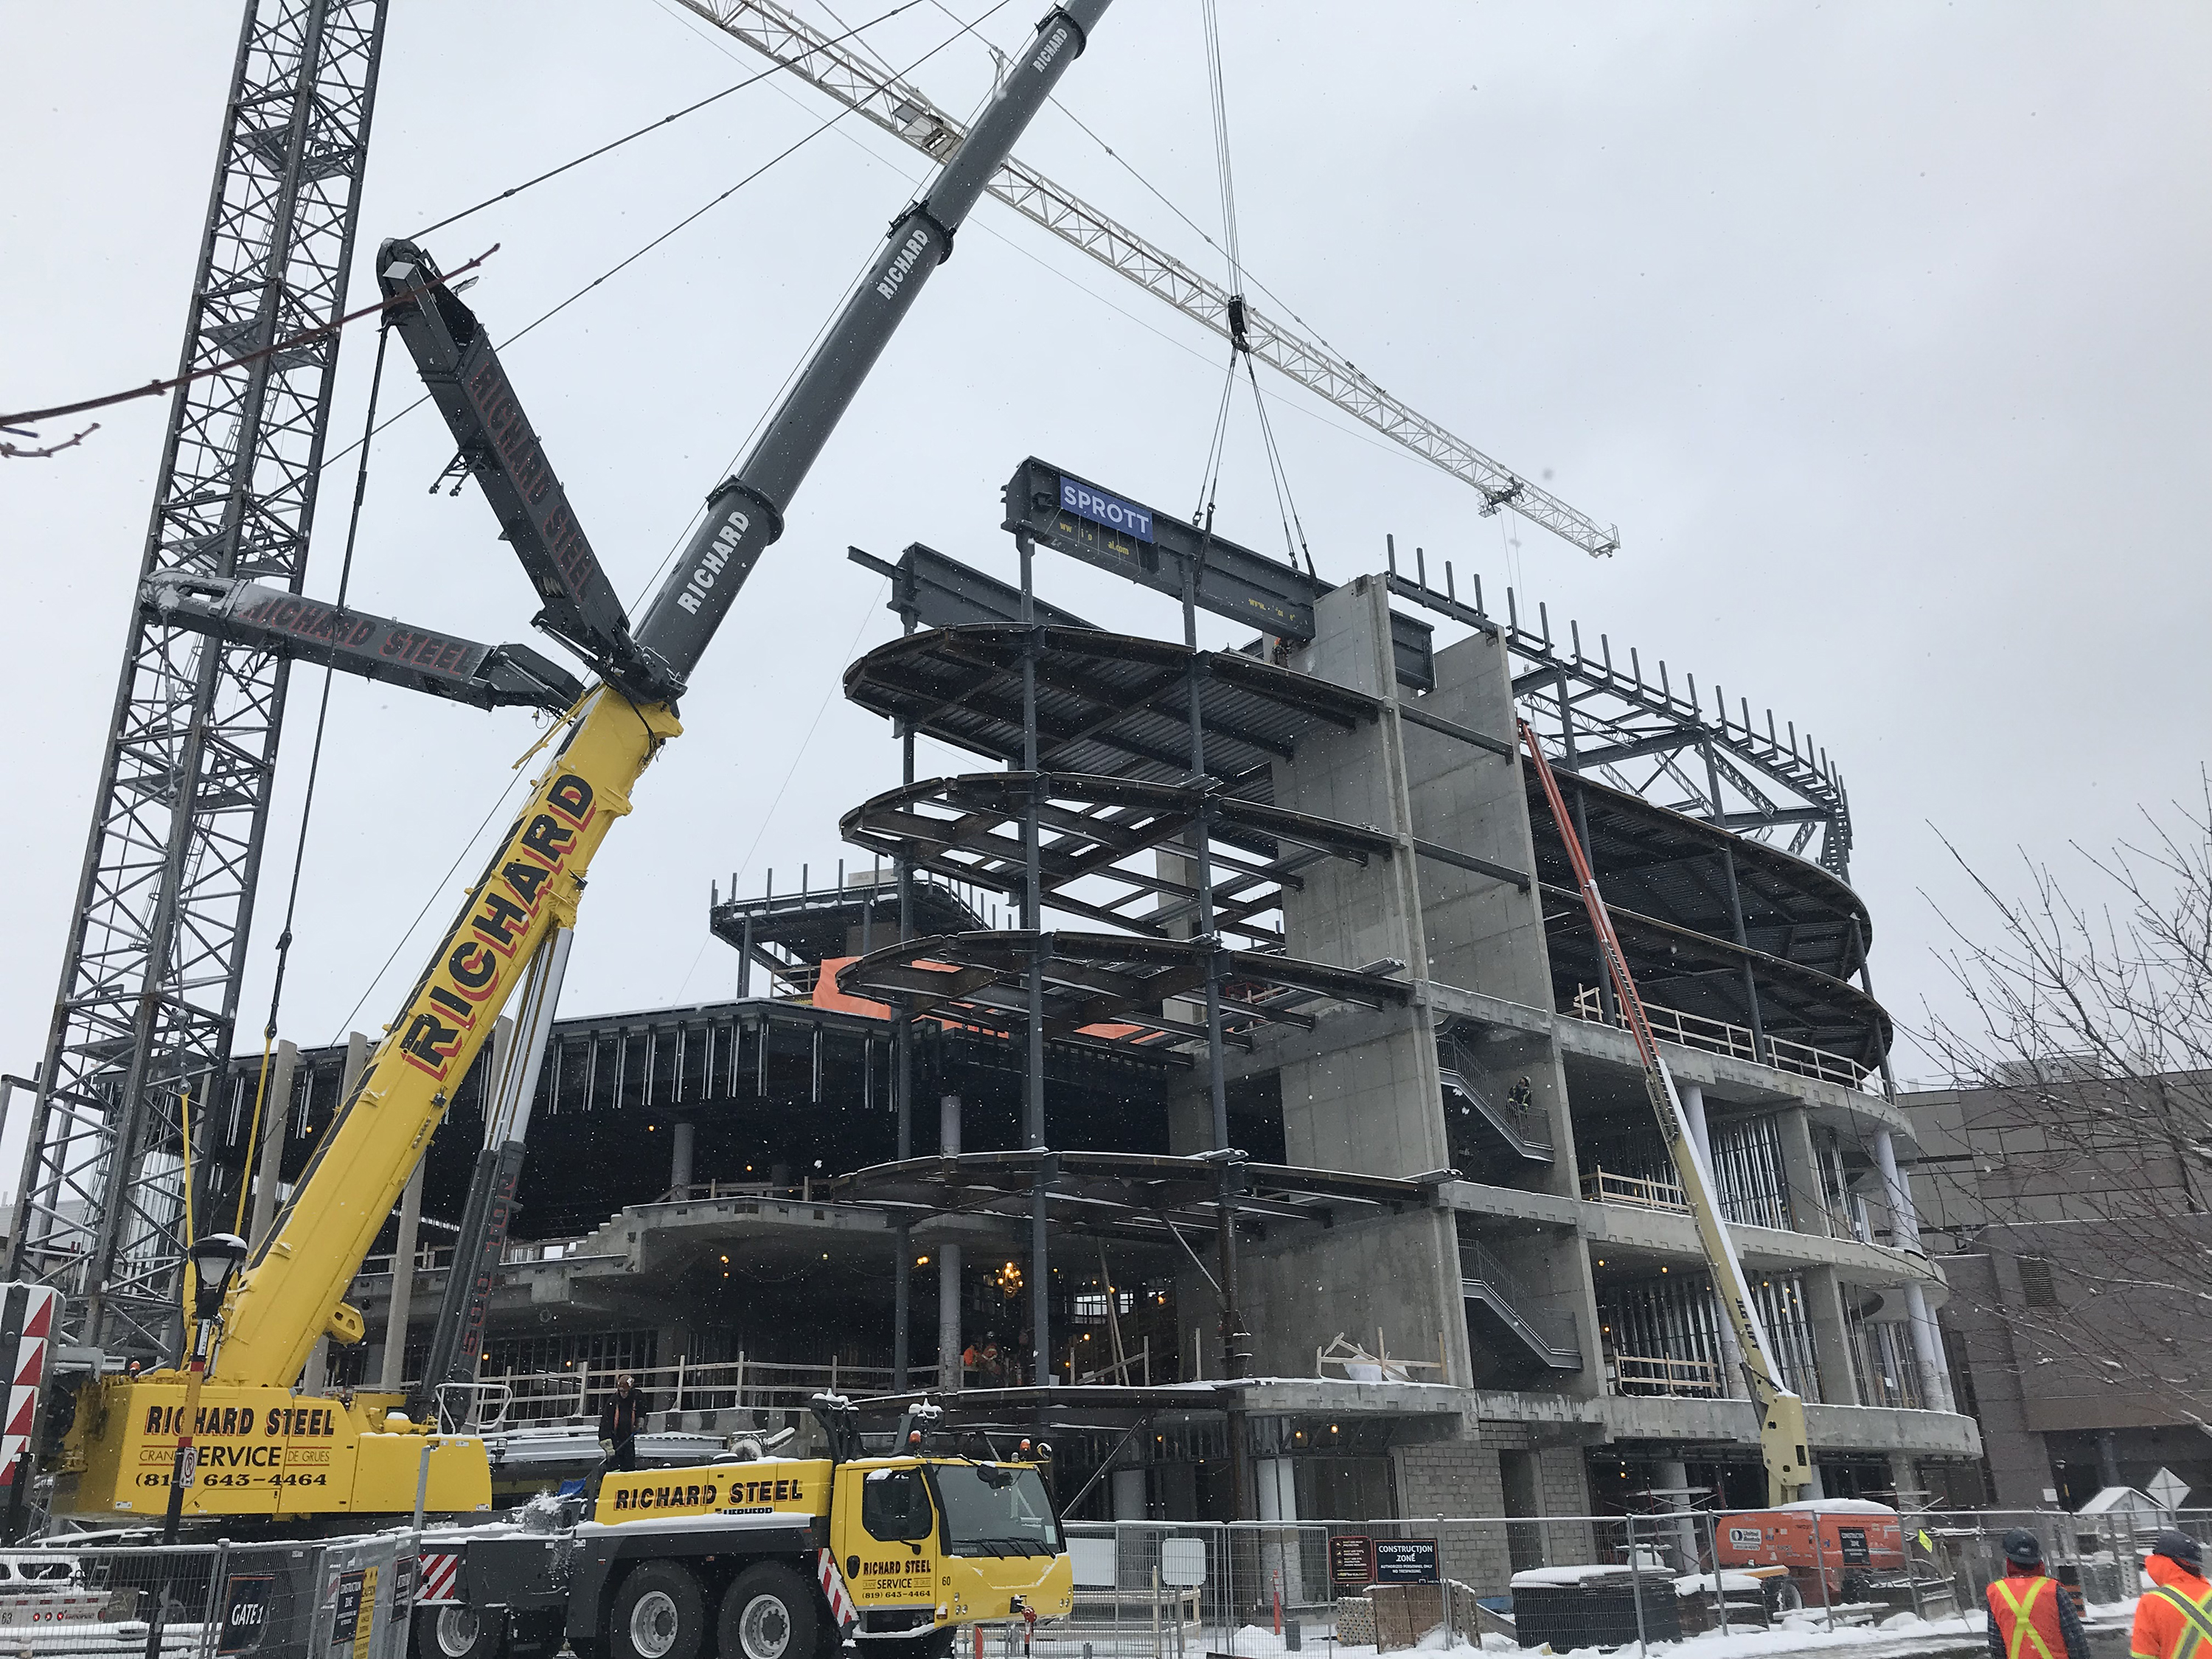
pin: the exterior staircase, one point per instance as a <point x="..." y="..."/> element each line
<point x="1501" y="1311"/>
<point x="1519" y="1130"/>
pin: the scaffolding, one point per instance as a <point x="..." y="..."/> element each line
<point x="149" y="984"/>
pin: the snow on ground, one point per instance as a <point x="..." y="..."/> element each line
<point x="1792" y="1633"/>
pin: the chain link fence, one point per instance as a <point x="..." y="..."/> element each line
<point x="1186" y="1589"/>
<point x="340" y="1599"/>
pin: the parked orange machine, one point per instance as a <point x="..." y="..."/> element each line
<point x="1855" y="1540"/>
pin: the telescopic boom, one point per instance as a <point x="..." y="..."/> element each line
<point x="293" y="1289"/>
<point x="1781" y="1413"/>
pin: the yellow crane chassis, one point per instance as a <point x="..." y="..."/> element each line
<point x="262" y="1451"/>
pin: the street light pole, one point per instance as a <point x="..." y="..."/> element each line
<point x="215" y="1261"/>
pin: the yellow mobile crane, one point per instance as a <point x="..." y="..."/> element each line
<point x="251" y="1445"/>
<point x="1781" y="1412"/>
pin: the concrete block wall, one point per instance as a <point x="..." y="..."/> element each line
<point x="1458" y="1477"/>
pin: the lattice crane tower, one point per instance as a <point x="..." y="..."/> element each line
<point x="150" y="979"/>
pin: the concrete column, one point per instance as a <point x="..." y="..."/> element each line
<point x="2108" y="1457"/>
<point x="949" y="1343"/>
<point x="1802" y="1170"/>
<point x="1904" y="1223"/>
<point x="1693" y="1096"/>
<point x="680" y="1141"/>
<point x="1927" y="1351"/>
<point x="1831" y="1346"/>
<point x="1128" y="1494"/>
<point x="1277" y="1492"/>
<point x="276" y="1119"/>
<point x="1905" y="1478"/>
<point x="1670" y="1481"/>
<point x="393" y="1367"/>
<point x="1903" y="1219"/>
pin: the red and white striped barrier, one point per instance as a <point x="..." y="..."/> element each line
<point x="27" y="1328"/>
<point x="441" y="1578"/>
<point x="833" y="1587"/>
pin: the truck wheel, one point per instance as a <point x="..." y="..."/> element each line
<point x="452" y="1631"/>
<point x="659" y="1614"/>
<point x="767" y="1612"/>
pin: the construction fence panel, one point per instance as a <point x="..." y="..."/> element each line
<point x="1153" y="1590"/>
<point x="1181" y="1590"/>
<point x="2099" y="1555"/>
<point x="339" y="1599"/>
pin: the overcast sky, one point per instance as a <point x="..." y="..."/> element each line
<point x="1881" y="332"/>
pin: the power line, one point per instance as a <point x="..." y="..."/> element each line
<point x="655" y="126"/>
<point x="688" y="220"/>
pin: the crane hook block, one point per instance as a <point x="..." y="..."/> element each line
<point x="346" y="1325"/>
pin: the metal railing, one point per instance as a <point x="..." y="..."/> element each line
<point x="1602" y="1186"/>
<point x="1482" y="1275"/>
<point x="1720" y="1037"/>
<point x="274" y="1599"/>
<point x="1527" y="1130"/>
<point x="1658" y="1374"/>
<point x="435" y="1258"/>
<point x="575" y="1395"/>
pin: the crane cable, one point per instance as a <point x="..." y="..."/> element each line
<point x="315" y="765"/>
<point x="1240" y="339"/>
<point x="1231" y="252"/>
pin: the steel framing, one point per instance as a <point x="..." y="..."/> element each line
<point x="151" y="975"/>
<point x="1652" y="739"/>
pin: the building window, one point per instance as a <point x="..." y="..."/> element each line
<point x="2036" y="1286"/>
<point x="1091" y="1305"/>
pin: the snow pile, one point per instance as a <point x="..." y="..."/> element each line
<point x="1836" y="1507"/>
<point x="1534" y="1578"/>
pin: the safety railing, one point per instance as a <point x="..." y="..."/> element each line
<point x="436" y="1258"/>
<point x="1134" y="1367"/>
<point x="575" y="1395"/>
<point x="1604" y="1185"/>
<point x="1718" y="1037"/>
<point x="1484" y="1278"/>
<point x="1659" y="1374"/>
<point x="1524" y="1127"/>
<point x="706" y="1191"/>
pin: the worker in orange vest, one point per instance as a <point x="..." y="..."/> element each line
<point x="2031" y="1614"/>
<point x="2174" y="1620"/>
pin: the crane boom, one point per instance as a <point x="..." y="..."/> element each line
<point x="901" y="109"/>
<point x="1781" y="1412"/>
<point x="292" y="1290"/>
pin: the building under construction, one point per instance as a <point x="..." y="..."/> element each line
<point x="1222" y="1076"/>
<point x="1224" y="1068"/>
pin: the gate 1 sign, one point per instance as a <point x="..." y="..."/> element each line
<point x="1351" y="1561"/>
<point x="1406" y="1561"/>
<point x="246" y="1614"/>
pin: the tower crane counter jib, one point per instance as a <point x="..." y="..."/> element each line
<point x="278" y="1455"/>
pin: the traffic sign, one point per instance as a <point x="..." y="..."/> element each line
<point x="2166" y="1489"/>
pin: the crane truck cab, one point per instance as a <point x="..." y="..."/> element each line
<point x="768" y="1558"/>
